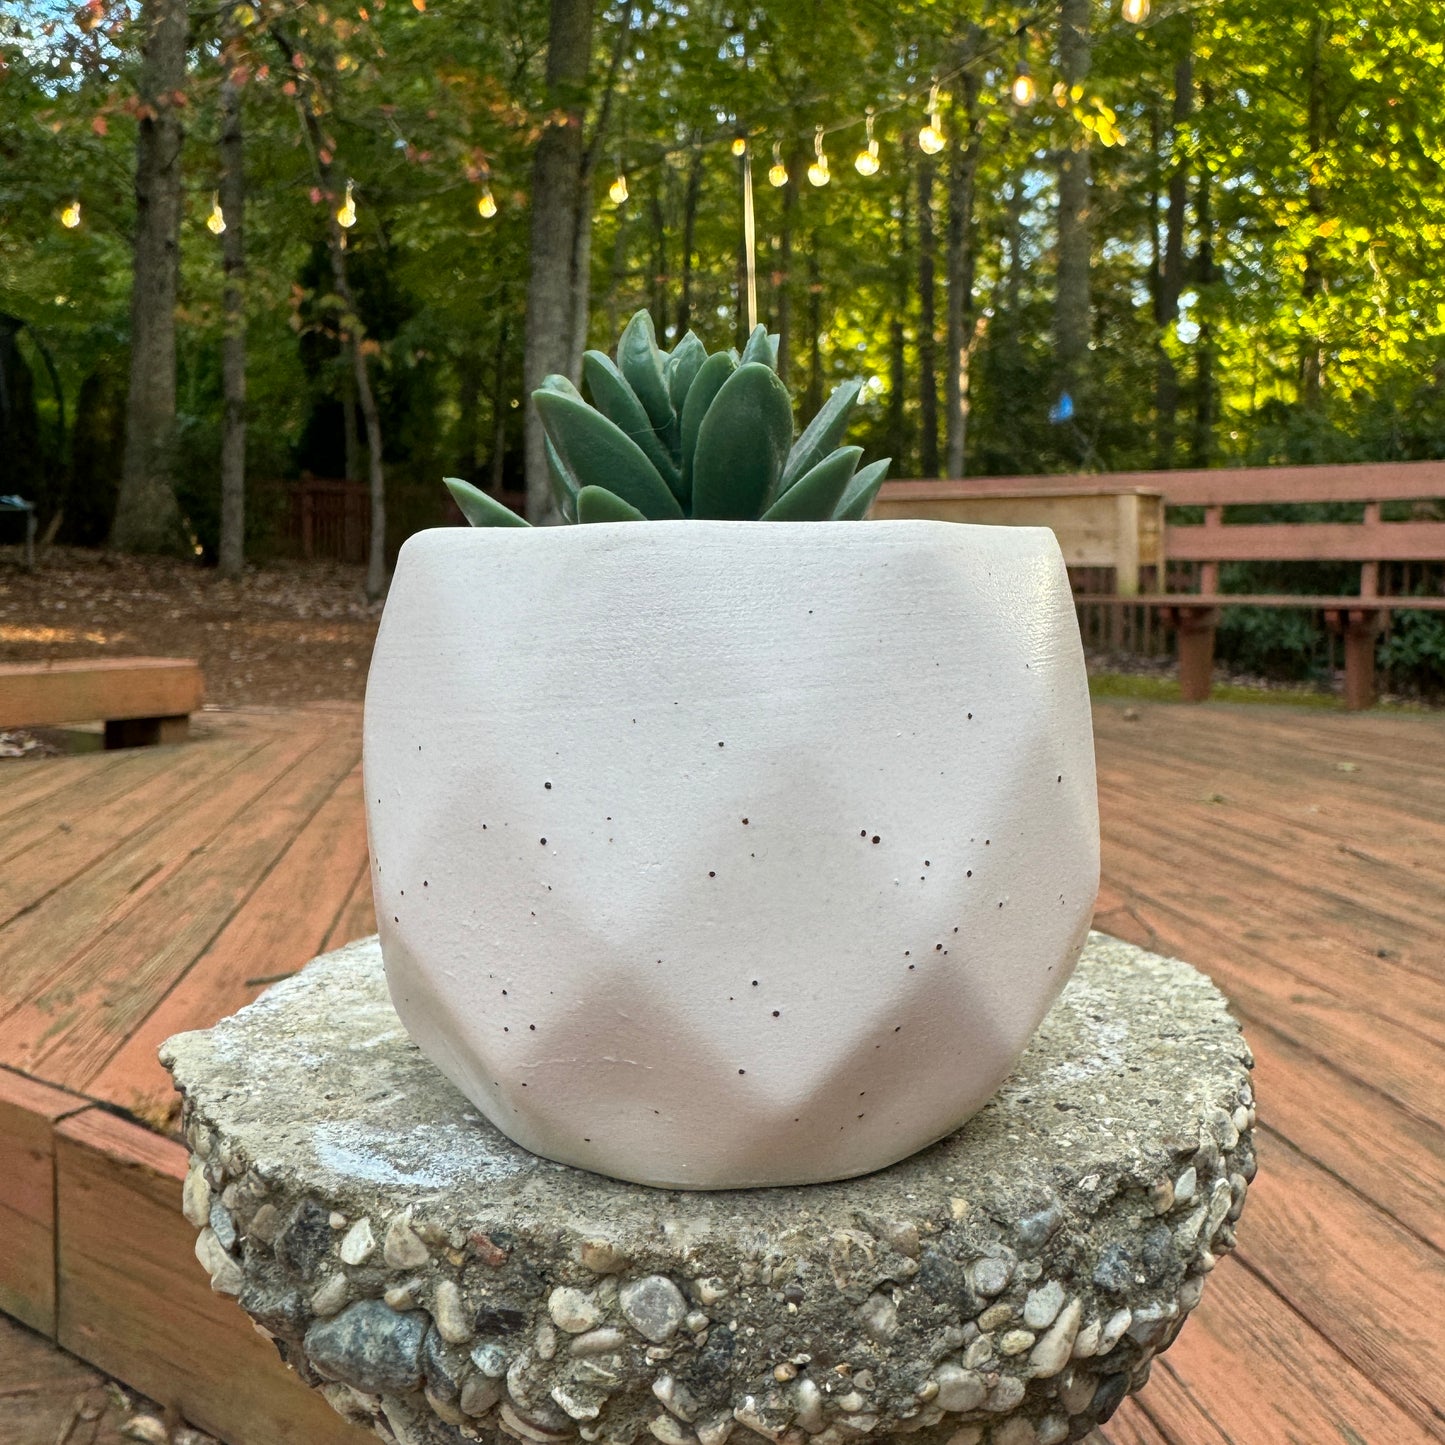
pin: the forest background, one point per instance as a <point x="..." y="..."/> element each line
<point x="1094" y="238"/>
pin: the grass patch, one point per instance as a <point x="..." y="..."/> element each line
<point x="1134" y="688"/>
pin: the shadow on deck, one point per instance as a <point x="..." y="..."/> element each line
<point x="1294" y="857"/>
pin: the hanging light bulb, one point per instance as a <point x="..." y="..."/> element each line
<point x="930" y="138"/>
<point x="818" y="172"/>
<point x="777" y="172"/>
<point x="1025" y="92"/>
<point x="70" y="216"/>
<point x="486" y="203"/>
<point x="1061" y="94"/>
<point x="216" y="221"/>
<point x="617" y="191"/>
<point x="866" y="161"/>
<point x="740" y="145"/>
<point x="346" y="216"/>
<point x="1136" y="12"/>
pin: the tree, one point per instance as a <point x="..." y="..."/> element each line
<point x="147" y="518"/>
<point x="232" y="199"/>
<point x="557" y="296"/>
<point x="1072" y="314"/>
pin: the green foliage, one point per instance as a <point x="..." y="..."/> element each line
<point x="680" y="434"/>
<point x="1414" y="651"/>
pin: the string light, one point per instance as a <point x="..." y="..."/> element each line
<point x="818" y="172"/>
<point x="346" y="216"/>
<point x="70" y="216"/>
<point x="1060" y="94"/>
<point x="1136" y="12"/>
<point x="866" y="161"/>
<point x="487" y="203"/>
<point x="740" y="145"/>
<point x="930" y="138"/>
<point x="1025" y="92"/>
<point x="617" y="191"/>
<point x="216" y="221"/>
<point x="777" y="172"/>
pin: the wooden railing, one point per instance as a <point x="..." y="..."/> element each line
<point x="330" y="518"/>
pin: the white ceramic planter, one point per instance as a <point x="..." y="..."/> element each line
<point x="716" y="854"/>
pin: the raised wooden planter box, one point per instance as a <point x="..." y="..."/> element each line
<point x="141" y="700"/>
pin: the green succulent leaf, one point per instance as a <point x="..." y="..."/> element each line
<point x="813" y="497"/>
<point x="821" y="434"/>
<point x="597" y="504"/>
<point x="640" y="362"/>
<point x="775" y="340"/>
<point x="589" y="446"/>
<point x="859" y="493"/>
<point x="617" y="401"/>
<point x="760" y="348"/>
<point x="479" y="509"/>
<point x="742" y="444"/>
<point x="705" y="386"/>
<point x="682" y="368"/>
<point x="559" y="384"/>
<point x="564" y="485"/>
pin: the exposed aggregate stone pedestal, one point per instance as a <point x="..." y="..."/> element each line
<point x="1009" y="1285"/>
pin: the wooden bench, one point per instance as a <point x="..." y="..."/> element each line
<point x="141" y="700"/>
<point x="1099" y="525"/>
<point x="1204" y="547"/>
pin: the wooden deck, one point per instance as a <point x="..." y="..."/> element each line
<point x="1295" y="856"/>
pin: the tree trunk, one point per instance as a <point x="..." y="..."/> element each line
<point x="815" y="329"/>
<point x="1071" y="300"/>
<point x="962" y="167"/>
<point x="898" y="446"/>
<point x="500" y="409"/>
<point x="147" y="518"/>
<point x="557" y="294"/>
<point x="657" y="281"/>
<point x="783" y="277"/>
<point x="232" y="197"/>
<point x="1204" y="383"/>
<point x="927" y="324"/>
<point x="1170" y="285"/>
<point x="353" y="339"/>
<point x="689" y="233"/>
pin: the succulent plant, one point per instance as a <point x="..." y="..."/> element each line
<point x="684" y="434"/>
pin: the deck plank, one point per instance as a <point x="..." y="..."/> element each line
<point x="28" y="1114"/>
<point x="1401" y="1062"/>
<point x="84" y="826"/>
<point x="267" y="933"/>
<point x="41" y="940"/>
<point x="357" y="918"/>
<point x="105" y="992"/>
<point x="1373" y="1291"/>
<point x="1256" y="1372"/>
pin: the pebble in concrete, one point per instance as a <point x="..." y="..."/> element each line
<point x="653" y="1306"/>
<point x="451" y="1318"/>
<point x="357" y="1243"/>
<point x="1042" y="1306"/>
<point x="370" y="1347"/>
<point x="403" y="1248"/>
<point x="573" y="1310"/>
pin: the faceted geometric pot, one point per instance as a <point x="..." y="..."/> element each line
<point x="719" y="854"/>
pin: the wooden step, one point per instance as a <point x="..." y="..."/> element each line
<point x="141" y="700"/>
